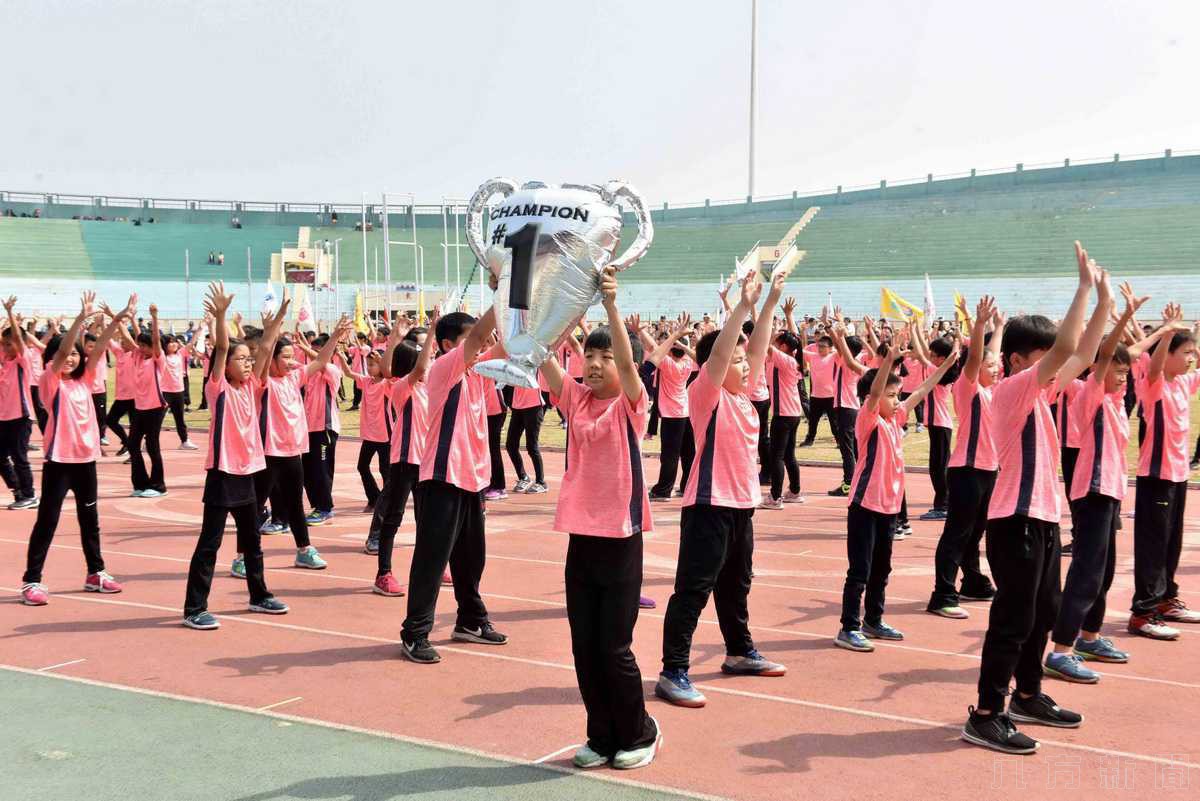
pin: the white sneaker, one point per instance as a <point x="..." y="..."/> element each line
<point x="586" y="758"/>
<point x="640" y="757"/>
<point x="794" y="497"/>
<point x="188" y="446"/>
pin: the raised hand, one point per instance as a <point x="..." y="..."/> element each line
<point x="87" y="303"/>
<point x="751" y="290"/>
<point x="789" y="305"/>
<point x="1087" y="267"/>
<point x="1132" y="302"/>
<point x="985" y="308"/>
<point x="218" y="299"/>
<point x="344" y="326"/>
<point x="8" y="304"/>
<point x="608" y="287"/>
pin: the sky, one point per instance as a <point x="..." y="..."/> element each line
<point x="306" y="101"/>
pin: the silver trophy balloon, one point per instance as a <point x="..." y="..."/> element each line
<point x="547" y="247"/>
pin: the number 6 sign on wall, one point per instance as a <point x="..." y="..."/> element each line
<point x="547" y="246"/>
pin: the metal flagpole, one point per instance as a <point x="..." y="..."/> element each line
<point x="753" y="86"/>
<point x="337" y="275"/>
<point x="387" y="260"/>
<point x="364" y="248"/>
<point x="249" y="285"/>
<point x="187" y="285"/>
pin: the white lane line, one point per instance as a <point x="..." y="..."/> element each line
<point x="401" y="738"/>
<point x="553" y="754"/>
<point x="60" y="665"/>
<point x="280" y="703"/>
<point x="849" y="710"/>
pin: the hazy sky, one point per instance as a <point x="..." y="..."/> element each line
<point x="306" y="101"/>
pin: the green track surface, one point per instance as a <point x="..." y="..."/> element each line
<point x="69" y="740"/>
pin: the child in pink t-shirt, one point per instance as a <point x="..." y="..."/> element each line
<point x="527" y="415"/>
<point x="1023" y="546"/>
<point x="172" y="377"/>
<point x="375" y="422"/>
<point x="604" y="509"/>
<point x="784" y="377"/>
<point x="716" y="546"/>
<point x="876" y="491"/>
<point x="846" y="371"/>
<point x="16" y="412"/>
<point x="676" y="363"/>
<point x="233" y="466"/>
<point x="72" y="446"/>
<point x="454" y="471"/>
<point x="405" y="365"/>
<point x="497" y="411"/>
<point x="149" y="409"/>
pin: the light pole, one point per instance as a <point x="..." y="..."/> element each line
<point x="753" y="86"/>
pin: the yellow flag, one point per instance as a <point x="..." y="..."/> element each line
<point x="360" y="322"/>
<point x="960" y="305"/>
<point x="894" y="307"/>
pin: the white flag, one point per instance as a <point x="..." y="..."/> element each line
<point x="930" y="309"/>
<point x="270" y="303"/>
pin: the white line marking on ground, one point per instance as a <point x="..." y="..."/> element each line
<point x="280" y="703"/>
<point x="849" y="710"/>
<point x="553" y="754"/>
<point x="60" y="665"/>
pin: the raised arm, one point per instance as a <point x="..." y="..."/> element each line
<point x="1085" y="352"/>
<point x="17" y="336"/>
<point x="322" y="357"/>
<point x="975" y="351"/>
<point x="789" y="310"/>
<point x="631" y="382"/>
<point x="760" y="339"/>
<point x="155" y="340"/>
<point x="114" y="327"/>
<point x="272" y="325"/>
<point x="839" y="342"/>
<point x="479" y="334"/>
<point x="1172" y="322"/>
<point x="879" y="384"/>
<point x="934" y="378"/>
<point x="1109" y="346"/>
<point x="421" y="368"/>
<point x="1067" y="341"/>
<point x="86" y="302"/>
<point x="299" y="340"/>
<point x="722" y="352"/>
<point x="656" y="356"/>
<point x="217" y="304"/>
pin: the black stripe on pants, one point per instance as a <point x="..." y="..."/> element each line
<point x="763" y="407"/>
<point x="100" y="404"/>
<point x="283" y="482"/>
<point x="1093" y="563"/>
<point x="57" y="478"/>
<point x="1157" y="541"/>
<point x="1025" y="557"/>
<point x="495" y="426"/>
<point x="1069" y="457"/>
<point x="318" y="469"/>
<point x="14" y="456"/>
<point x="783" y="454"/>
<point x="146" y="427"/>
<point x="677" y="445"/>
<point x="204" y="558"/>
<point x="175" y="404"/>
<point x="969" y="492"/>
<point x="869" y="554"/>
<point x="119" y="409"/>
<point x="527" y="422"/>
<point x="716" y="556"/>
<point x="368" y="450"/>
<point x="603" y="582"/>
<point x="450" y="529"/>
<point x="939" y="457"/>
<point x="818" y="407"/>
<point x="389" y="511"/>
<point x="843" y="421"/>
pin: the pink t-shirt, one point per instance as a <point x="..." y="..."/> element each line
<point x="603" y="490"/>
<point x="1103" y="429"/>
<point x="759" y="391"/>
<point x="72" y="435"/>
<point x="1068" y="428"/>
<point x="410" y="411"/>
<point x="845" y="384"/>
<point x="725" y="472"/>
<point x="878" y="482"/>
<point x="495" y="398"/>
<point x="100" y="381"/>
<point x="974" y="446"/>
<point x="1027" y="449"/>
<point x="1164" y="451"/>
<point x="785" y="383"/>
<point x="171" y="373"/>
<point x="236" y="444"/>
<point x="524" y="398"/>
<point x="574" y="362"/>
<point x="36" y="365"/>
<point x="937" y="407"/>
<point x="126" y="374"/>
<point x="456" y="447"/>
<point x="820" y="368"/>
<point x="15" y="377"/>
<point x="320" y="399"/>
<point x="672" y="386"/>
<point x="375" y="423"/>
<point x="282" y="422"/>
<point x="358" y="357"/>
<point x="916" y="374"/>
<point x="147" y="387"/>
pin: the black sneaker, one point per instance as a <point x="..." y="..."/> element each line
<point x="1042" y="709"/>
<point x="841" y="491"/>
<point x="269" y="606"/>
<point x="486" y="634"/>
<point x="996" y="732"/>
<point x="1069" y="548"/>
<point x="419" y="651"/>
<point x="372" y="546"/>
<point x="986" y="593"/>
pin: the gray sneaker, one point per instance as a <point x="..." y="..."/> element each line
<point x="675" y="687"/>
<point x="853" y="641"/>
<point x="1069" y="667"/>
<point x="752" y="664"/>
<point x="586" y="758"/>
<point x="640" y="757"/>
<point x="882" y="631"/>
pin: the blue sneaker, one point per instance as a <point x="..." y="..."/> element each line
<point x="1069" y="667"/>
<point x="273" y="528"/>
<point x="317" y="518"/>
<point x="202" y="621"/>
<point x="881" y="631"/>
<point x="1100" y="650"/>
<point x="308" y="557"/>
<point x="675" y="687"/>
<point x="238" y="568"/>
<point x="853" y="641"/>
<point x="269" y="606"/>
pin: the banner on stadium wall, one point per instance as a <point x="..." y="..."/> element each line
<point x="894" y="307"/>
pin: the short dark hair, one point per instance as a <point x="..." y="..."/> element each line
<point x="413" y="333"/>
<point x="1180" y="339"/>
<point x="826" y="340"/>
<point x="52" y="350"/>
<point x="944" y="346"/>
<point x="145" y="339"/>
<point x="1121" y="356"/>
<point x="452" y="326"/>
<point x="789" y="339"/>
<point x="854" y="344"/>
<point x="600" y="338"/>
<point x="868" y="378"/>
<point x="280" y="344"/>
<point x="1024" y="334"/>
<point x="705" y="345"/>
<point x="404" y="359"/>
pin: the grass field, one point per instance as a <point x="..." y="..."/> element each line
<point x="916" y="446"/>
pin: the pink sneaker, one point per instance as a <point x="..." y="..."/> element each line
<point x="388" y="585"/>
<point x="35" y="594"/>
<point x="794" y="497"/>
<point x="495" y="495"/>
<point x="771" y="503"/>
<point x="446" y="578"/>
<point x="101" y="582"/>
<point x="645" y="602"/>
